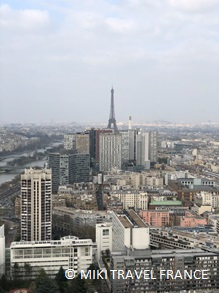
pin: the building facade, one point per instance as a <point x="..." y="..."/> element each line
<point x="36" y="205"/>
<point x="132" y="199"/>
<point x="82" y="143"/>
<point x="156" y="263"/>
<point x="156" y="218"/>
<point x="129" y="231"/>
<point x="2" y="250"/>
<point x="69" y="169"/>
<point x="80" y="168"/>
<point x="69" y="142"/>
<point x="103" y="238"/>
<point x="110" y="151"/>
<point x="70" y="252"/>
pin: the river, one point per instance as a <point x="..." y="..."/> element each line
<point x="8" y="176"/>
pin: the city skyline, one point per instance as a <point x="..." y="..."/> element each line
<point x="59" y="60"/>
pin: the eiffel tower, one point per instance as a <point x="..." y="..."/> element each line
<point x="112" y="119"/>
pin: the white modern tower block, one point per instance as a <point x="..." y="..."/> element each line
<point x="36" y="205"/>
<point x="2" y="250"/>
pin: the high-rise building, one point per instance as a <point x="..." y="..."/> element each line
<point x="69" y="169"/>
<point x="146" y="148"/>
<point x="132" y="144"/>
<point x="125" y="146"/>
<point x="80" y="168"/>
<point x="79" y="142"/>
<point x="36" y="205"/>
<point x="94" y="141"/>
<point x="61" y="165"/>
<point x="110" y="151"/>
<point x="142" y="150"/>
<point x="82" y="143"/>
<point x="2" y="250"/>
<point x="69" y="142"/>
<point x="153" y="146"/>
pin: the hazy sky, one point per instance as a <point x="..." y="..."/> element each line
<point x="59" y="59"/>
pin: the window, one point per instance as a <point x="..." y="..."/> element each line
<point x="105" y="232"/>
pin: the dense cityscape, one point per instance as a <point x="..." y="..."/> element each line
<point x="120" y="198"/>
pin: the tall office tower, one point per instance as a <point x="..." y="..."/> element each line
<point x="69" y="169"/>
<point x="69" y="142"/>
<point x="2" y="250"/>
<point x="36" y="205"/>
<point x="65" y="163"/>
<point x="125" y="145"/>
<point x="110" y="151"/>
<point x="80" y="166"/>
<point x="112" y="117"/>
<point x="132" y="144"/>
<point x="60" y="165"/>
<point x="153" y="146"/>
<point x="82" y="143"/>
<point x="146" y="148"/>
<point x="94" y="141"/>
<point x="142" y="150"/>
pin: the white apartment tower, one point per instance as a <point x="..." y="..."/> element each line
<point x="110" y="151"/>
<point x="153" y="146"/>
<point x="2" y="250"/>
<point x="146" y="148"/>
<point x="142" y="149"/>
<point x="36" y="205"/>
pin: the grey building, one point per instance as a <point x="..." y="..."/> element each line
<point x="80" y="168"/>
<point x="110" y="151"/>
<point x="157" y="263"/>
<point x="69" y="169"/>
<point x="61" y="165"/>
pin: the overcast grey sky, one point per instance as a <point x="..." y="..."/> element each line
<point x="59" y="59"/>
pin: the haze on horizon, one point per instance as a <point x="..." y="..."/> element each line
<point x="60" y="58"/>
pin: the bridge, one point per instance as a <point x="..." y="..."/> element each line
<point x="5" y="169"/>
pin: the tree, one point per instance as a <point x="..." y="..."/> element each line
<point x="44" y="284"/>
<point x="16" y="271"/>
<point x="61" y="280"/>
<point x="28" y="271"/>
<point x="77" y="285"/>
<point x="3" y="283"/>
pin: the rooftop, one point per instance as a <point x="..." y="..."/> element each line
<point x="130" y="219"/>
<point x="166" y="202"/>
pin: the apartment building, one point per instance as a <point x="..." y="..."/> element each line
<point x="36" y="205"/>
<point x="159" y="261"/>
<point x="132" y="199"/>
<point x="156" y="218"/>
<point x="2" y="250"/>
<point x="129" y="231"/>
